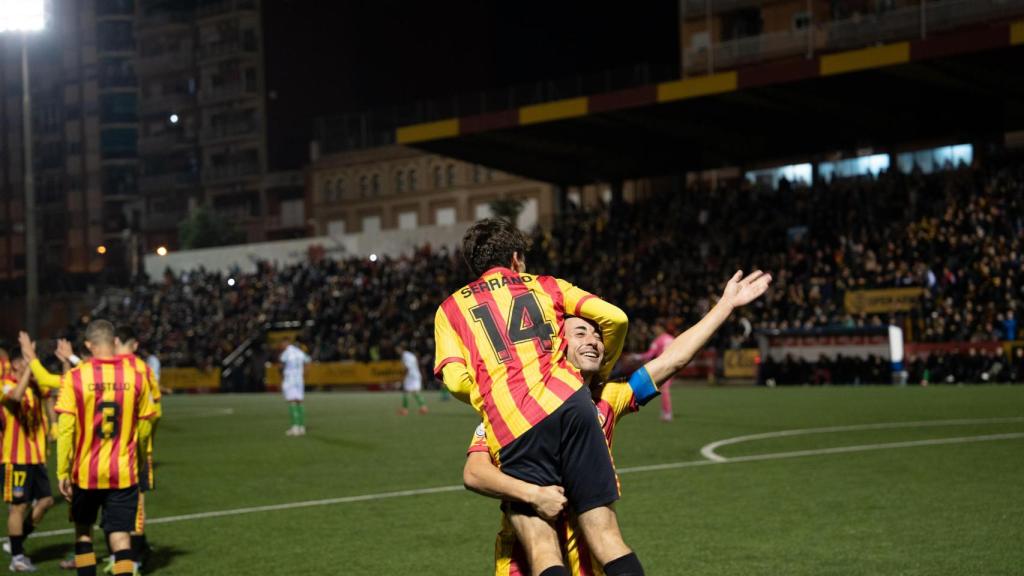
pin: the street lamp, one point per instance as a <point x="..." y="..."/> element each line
<point x="27" y="16"/>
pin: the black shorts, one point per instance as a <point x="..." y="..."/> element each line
<point x="24" y="483"/>
<point x="120" y="508"/>
<point x="567" y="448"/>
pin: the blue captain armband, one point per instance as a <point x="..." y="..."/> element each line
<point x="642" y="385"/>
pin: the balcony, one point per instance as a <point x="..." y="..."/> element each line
<point x="216" y="174"/>
<point x="151" y="19"/>
<point x="176" y="102"/>
<point x="161" y="64"/>
<point x="164" y="142"/>
<point x="230" y="131"/>
<point x="211" y="9"/>
<point x="222" y="50"/>
<point x="160" y="220"/>
<point x="865" y="30"/>
<point x="167" y="181"/>
<point x="225" y="92"/>
<point x="114" y="81"/>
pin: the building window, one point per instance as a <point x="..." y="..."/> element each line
<point x="408" y="220"/>
<point x="483" y="210"/>
<point x="476" y="174"/>
<point x="375" y="185"/>
<point x="115" y="36"/>
<point x="336" y="228"/>
<point x="325" y="192"/>
<point x="363" y="189"/>
<point x="438" y="178"/>
<point x="118" y="143"/>
<point x="118" y="108"/>
<point x="861" y="166"/>
<point x="444" y="216"/>
<point x="412" y="180"/>
<point x="339" y="188"/>
<point x="450" y="173"/>
<point x="371" y="224"/>
<point x="801" y="20"/>
<point x="250" y="79"/>
<point x="794" y="173"/>
<point x="399" y="181"/>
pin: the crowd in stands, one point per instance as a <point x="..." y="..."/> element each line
<point x="955" y="233"/>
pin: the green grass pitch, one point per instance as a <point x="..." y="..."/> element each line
<point x="953" y="508"/>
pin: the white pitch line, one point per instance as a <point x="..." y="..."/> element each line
<point x="276" y="507"/>
<point x="824" y="451"/>
<point x="630" y="470"/>
<point x="710" y="451"/>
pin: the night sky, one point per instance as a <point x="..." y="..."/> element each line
<point x="345" y="56"/>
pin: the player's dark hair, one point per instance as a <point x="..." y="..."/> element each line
<point x="125" y="334"/>
<point x="100" y="332"/>
<point x="492" y="242"/>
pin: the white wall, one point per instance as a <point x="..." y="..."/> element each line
<point x="245" y="256"/>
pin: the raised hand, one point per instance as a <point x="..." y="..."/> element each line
<point x="64" y="350"/>
<point x="741" y="290"/>
<point x="28" y="347"/>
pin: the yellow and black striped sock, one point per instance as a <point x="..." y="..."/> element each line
<point x="85" y="559"/>
<point x="124" y="563"/>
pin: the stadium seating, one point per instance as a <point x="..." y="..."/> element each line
<point x="955" y="233"/>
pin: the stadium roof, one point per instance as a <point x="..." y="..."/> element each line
<point x="963" y="84"/>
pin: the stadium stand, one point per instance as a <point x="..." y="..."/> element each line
<point x="955" y="233"/>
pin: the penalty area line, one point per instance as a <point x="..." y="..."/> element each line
<point x="629" y="470"/>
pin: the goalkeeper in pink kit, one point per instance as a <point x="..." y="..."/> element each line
<point x="664" y="334"/>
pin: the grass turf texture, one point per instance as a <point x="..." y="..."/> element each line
<point x="949" y="509"/>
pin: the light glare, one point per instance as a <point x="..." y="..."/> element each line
<point x="22" y="16"/>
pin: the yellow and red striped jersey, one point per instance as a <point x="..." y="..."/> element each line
<point x="107" y="397"/>
<point x="505" y="331"/>
<point x="613" y="400"/>
<point x="152" y="386"/>
<point x="24" y="427"/>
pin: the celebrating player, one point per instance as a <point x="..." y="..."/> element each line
<point x="500" y="347"/>
<point x="24" y="460"/>
<point x="125" y="346"/>
<point x="293" y="386"/>
<point x="5" y="362"/>
<point x="104" y="412"/>
<point x="613" y="400"/>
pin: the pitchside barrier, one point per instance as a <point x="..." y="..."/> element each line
<point x="181" y="379"/>
<point x="338" y="374"/>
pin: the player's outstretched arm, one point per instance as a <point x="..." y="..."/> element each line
<point x="740" y="291"/>
<point x="481" y="476"/>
